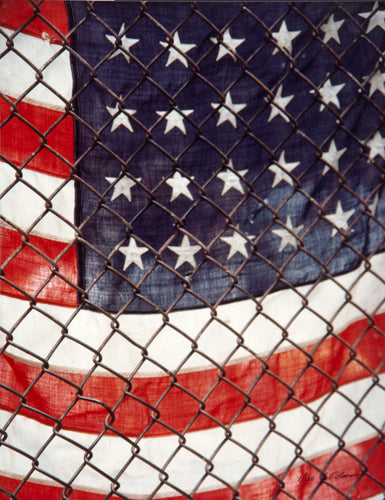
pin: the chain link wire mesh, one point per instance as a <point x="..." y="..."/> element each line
<point x="76" y="392"/>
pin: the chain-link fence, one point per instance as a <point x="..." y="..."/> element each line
<point x="193" y="280"/>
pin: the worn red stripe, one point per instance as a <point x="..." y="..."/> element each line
<point x="27" y="128"/>
<point x="29" y="270"/>
<point x="344" y="468"/>
<point x="35" y="19"/>
<point x="343" y="471"/>
<point x="184" y="399"/>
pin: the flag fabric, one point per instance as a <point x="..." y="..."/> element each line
<point x="192" y="246"/>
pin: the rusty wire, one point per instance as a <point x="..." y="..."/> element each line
<point x="180" y="228"/>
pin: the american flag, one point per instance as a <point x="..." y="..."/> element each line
<point x="192" y="250"/>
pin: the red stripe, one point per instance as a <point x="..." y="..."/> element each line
<point x="343" y="462"/>
<point x="179" y="407"/>
<point x="14" y="13"/>
<point x="19" y="142"/>
<point x="28" y="270"/>
<point x="297" y="482"/>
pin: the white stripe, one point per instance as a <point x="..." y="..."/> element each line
<point x="16" y="75"/>
<point x="62" y="458"/>
<point x="217" y="340"/>
<point x="381" y="496"/>
<point x="23" y="206"/>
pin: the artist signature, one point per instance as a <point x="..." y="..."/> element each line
<point x="336" y="475"/>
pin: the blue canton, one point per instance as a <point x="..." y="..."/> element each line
<point x="225" y="150"/>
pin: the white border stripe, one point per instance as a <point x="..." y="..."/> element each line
<point x="22" y="205"/>
<point x="217" y="341"/>
<point x="16" y="75"/>
<point x="61" y="458"/>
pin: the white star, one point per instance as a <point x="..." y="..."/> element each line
<point x="227" y="43"/>
<point x="133" y="254"/>
<point x="339" y="219"/>
<point x="329" y="93"/>
<point x="284" y="38"/>
<point x="231" y="179"/>
<point x="237" y="244"/>
<point x="126" y="43"/>
<point x="174" y="54"/>
<point x="288" y="237"/>
<point x="228" y="113"/>
<point x="179" y="186"/>
<point x="332" y="157"/>
<point x="185" y="252"/>
<point x="377" y="146"/>
<point x="281" y="170"/>
<point x="123" y="186"/>
<point x="377" y="82"/>
<point x="121" y="118"/>
<point x="372" y="207"/>
<point x="175" y="119"/>
<point x="282" y="102"/>
<point x="378" y="19"/>
<point x="331" y="29"/>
